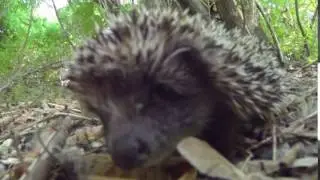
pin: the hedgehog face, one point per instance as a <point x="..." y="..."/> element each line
<point x="155" y="77"/>
<point x="148" y="115"/>
<point x="146" y="107"/>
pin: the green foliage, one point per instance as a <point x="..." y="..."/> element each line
<point x="125" y="8"/>
<point x="282" y="16"/>
<point x="80" y="19"/>
<point x="28" y="47"/>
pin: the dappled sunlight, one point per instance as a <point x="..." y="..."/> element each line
<point x="46" y="9"/>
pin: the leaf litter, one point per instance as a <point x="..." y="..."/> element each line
<point x="56" y="141"/>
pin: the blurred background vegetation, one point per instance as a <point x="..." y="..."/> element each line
<point x="36" y="36"/>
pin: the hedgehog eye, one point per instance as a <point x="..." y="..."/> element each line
<point x="166" y="93"/>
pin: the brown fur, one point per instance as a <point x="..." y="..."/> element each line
<point x="155" y="77"/>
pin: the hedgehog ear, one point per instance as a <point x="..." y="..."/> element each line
<point x="189" y="55"/>
<point x="184" y="53"/>
<point x="193" y="60"/>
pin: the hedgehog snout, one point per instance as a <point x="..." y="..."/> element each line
<point x="130" y="151"/>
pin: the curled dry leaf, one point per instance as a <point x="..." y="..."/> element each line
<point x="108" y="178"/>
<point x="259" y="166"/>
<point x="102" y="165"/>
<point x="259" y="176"/>
<point x="306" y="162"/>
<point x="292" y="154"/>
<point x="190" y="175"/>
<point x="85" y="134"/>
<point x="99" y="163"/>
<point x="207" y="160"/>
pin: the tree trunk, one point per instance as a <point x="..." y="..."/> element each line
<point x="229" y="14"/>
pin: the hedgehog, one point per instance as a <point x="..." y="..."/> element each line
<point x="156" y="76"/>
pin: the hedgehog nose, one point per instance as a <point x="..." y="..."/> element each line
<point x="129" y="152"/>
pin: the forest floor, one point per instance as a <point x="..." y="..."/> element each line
<point x="55" y="141"/>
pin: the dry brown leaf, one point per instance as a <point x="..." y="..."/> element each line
<point x="39" y="168"/>
<point x="85" y="134"/>
<point x="108" y="178"/>
<point x="190" y="175"/>
<point x="102" y="165"/>
<point x="98" y="164"/>
<point x="207" y="160"/>
<point x="259" y="166"/>
<point x="306" y="162"/>
<point x="18" y="170"/>
<point x="291" y="155"/>
<point x="259" y="176"/>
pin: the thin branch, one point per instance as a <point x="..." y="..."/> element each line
<point x="61" y="24"/>
<point x="104" y="5"/>
<point x="306" y="46"/>
<point x="15" y="79"/>
<point x="41" y="166"/>
<point x="28" y="33"/>
<point x="113" y="6"/>
<point x="313" y="19"/>
<point x="273" y="34"/>
<point x="15" y="145"/>
<point x="318" y="32"/>
<point x="243" y="14"/>
<point x="274" y="142"/>
<point x="20" y="52"/>
<point x="245" y="27"/>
